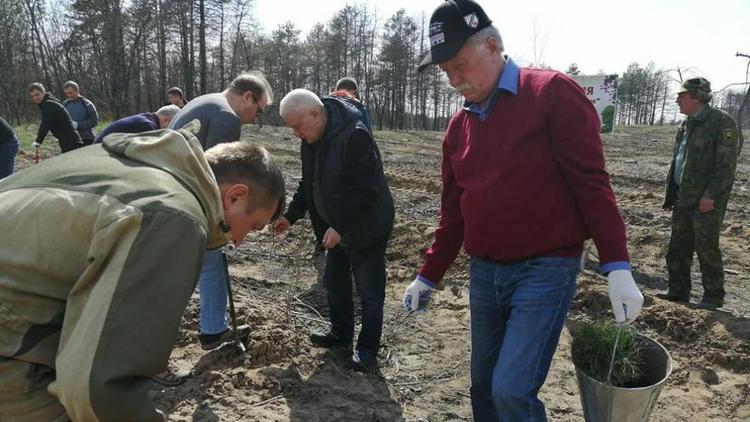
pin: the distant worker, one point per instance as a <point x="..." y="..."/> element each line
<point x="82" y="111"/>
<point x="347" y="85"/>
<point x="699" y="182"/>
<point x="142" y="122"/>
<point x="55" y="119"/>
<point x="176" y="97"/>
<point x="8" y="149"/>
<point x="524" y="185"/>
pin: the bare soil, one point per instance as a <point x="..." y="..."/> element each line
<point x="424" y="362"/>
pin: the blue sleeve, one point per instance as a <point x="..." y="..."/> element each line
<point x="92" y="118"/>
<point x="615" y="265"/>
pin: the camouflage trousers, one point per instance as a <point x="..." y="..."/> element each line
<point x="23" y="393"/>
<point x="693" y="231"/>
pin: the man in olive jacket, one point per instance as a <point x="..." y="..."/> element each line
<point x="55" y="119"/>
<point x="698" y="187"/>
<point x="101" y="249"/>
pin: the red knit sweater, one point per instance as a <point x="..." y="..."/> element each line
<point x="527" y="182"/>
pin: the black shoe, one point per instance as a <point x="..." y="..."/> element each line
<point x="711" y="305"/>
<point x="329" y="340"/>
<point x="363" y="361"/>
<point x="212" y="341"/>
<point x="673" y="298"/>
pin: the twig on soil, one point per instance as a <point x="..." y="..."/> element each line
<point x="267" y="401"/>
<point x="300" y="315"/>
<point x="307" y="305"/>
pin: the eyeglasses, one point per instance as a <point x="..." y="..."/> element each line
<point x="259" y="110"/>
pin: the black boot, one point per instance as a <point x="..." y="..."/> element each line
<point x="329" y="340"/>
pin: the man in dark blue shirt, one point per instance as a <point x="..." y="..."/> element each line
<point x="143" y="122"/>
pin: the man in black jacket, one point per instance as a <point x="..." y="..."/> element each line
<point x="55" y="119"/>
<point x="345" y="191"/>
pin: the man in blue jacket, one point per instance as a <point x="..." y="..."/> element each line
<point x="82" y="111"/>
<point x="345" y="191"/>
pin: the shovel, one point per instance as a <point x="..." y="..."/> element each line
<point x="240" y="341"/>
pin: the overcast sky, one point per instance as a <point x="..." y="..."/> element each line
<point x="697" y="36"/>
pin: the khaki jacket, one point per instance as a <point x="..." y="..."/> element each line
<point x="99" y="253"/>
<point x="710" y="162"/>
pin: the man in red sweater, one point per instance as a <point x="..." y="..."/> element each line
<point x="524" y="185"/>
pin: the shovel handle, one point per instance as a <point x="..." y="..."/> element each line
<point x="232" y="313"/>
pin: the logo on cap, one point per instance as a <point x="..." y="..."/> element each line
<point x="436" y="27"/>
<point x="437" y="39"/>
<point x="472" y="21"/>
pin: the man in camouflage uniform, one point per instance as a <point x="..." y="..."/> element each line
<point x="698" y="187"/>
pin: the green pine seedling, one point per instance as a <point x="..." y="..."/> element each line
<point x="592" y="347"/>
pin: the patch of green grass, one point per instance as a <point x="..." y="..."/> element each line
<point x="592" y="352"/>
<point x="26" y="134"/>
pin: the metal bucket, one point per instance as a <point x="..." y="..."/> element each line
<point x="606" y="403"/>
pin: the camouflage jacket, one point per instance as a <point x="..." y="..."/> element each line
<point x="710" y="160"/>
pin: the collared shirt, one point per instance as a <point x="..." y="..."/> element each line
<point x="508" y="81"/>
<point x="681" y="155"/>
<point x="526" y="183"/>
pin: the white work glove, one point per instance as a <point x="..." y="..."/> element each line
<point x="36" y="144"/>
<point x="624" y="294"/>
<point x="75" y="124"/>
<point x="418" y="294"/>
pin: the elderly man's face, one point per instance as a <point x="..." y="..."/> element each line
<point x="164" y="121"/>
<point x="308" y="125"/>
<point x="688" y="105"/>
<point x="473" y="71"/>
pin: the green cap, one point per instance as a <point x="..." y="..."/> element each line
<point x="695" y="86"/>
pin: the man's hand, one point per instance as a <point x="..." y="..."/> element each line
<point x="624" y="295"/>
<point x="705" y="205"/>
<point x="75" y="124"/>
<point x="331" y="238"/>
<point x="281" y="225"/>
<point x="418" y="294"/>
<point x="36" y="144"/>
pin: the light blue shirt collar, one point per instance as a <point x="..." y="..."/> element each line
<point x="508" y="81"/>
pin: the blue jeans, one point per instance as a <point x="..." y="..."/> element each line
<point x="212" y="287"/>
<point x="368" y="268"/>
<point x="8" y="153"/>
<point x="517" y="313"/>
